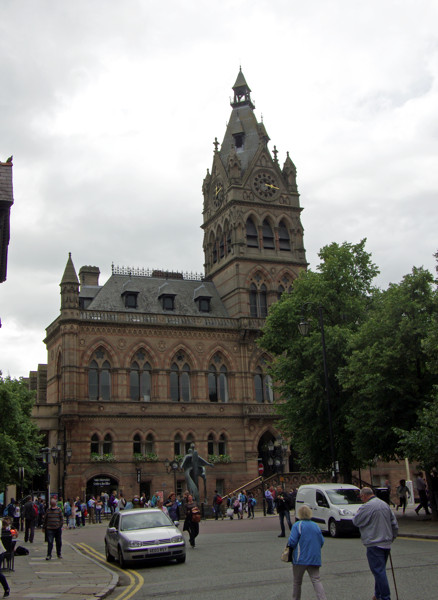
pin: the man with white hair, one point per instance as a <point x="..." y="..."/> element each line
<point x="378" y="529"/>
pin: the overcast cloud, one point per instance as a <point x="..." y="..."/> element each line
<point x="111" y="109"/>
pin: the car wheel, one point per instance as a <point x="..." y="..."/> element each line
<point x="333" y="528"/>
<point x="181" y="559"/>
<point x="108" y="555"/>
<point x="122" y="561"/>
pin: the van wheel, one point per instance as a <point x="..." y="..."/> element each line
<point x="333" y="528"/>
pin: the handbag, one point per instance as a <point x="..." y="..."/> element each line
<point x="286" y="555"/>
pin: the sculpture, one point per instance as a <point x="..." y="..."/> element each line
<point x="194" y="467"/>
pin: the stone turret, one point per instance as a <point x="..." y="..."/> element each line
<point x="69" y="286"/>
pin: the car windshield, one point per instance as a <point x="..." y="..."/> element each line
<point x="349" y="496"/>
<point x="144" y="521"/>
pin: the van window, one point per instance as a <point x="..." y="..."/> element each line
<point x="349" y="496"/>
<point x="321" y="500"/>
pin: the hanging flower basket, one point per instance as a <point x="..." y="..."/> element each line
<point x="219" y="458"/>
<point x="107" y="458"/>
<point x="148" y="457"/>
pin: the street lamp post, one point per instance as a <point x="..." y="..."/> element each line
<point x="172" y="466"/>
<point x="303" y="328"/>
<point x="277" y="454"/>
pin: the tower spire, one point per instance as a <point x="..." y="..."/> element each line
<point x="242" y="92"/>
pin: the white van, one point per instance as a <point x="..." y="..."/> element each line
<point x="333" y="505"/>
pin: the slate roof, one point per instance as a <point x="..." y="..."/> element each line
<point x="241" y="118"/>
<point x="109" y="296"/>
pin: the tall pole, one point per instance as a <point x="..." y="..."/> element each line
<point x="327" y="393"/>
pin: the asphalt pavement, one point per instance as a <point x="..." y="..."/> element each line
<point x="79" y="577"/>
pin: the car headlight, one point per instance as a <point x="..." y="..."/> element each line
<point x="176" y="539"/>
<point x="136" y="544"/>
<point x="345" y="511"/>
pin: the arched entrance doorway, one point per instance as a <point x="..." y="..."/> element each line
<point x="101" y="483"/>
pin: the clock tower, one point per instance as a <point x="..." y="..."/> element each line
<point x="253" y="237"/>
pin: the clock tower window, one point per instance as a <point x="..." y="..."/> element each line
<point x="268" y="236"/>
<point x="252" y="238"/>
<point x="283" y="237"/>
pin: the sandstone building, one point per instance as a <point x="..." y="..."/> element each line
<point x="146" y="363"/>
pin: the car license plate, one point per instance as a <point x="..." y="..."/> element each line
<point x="158" y="550"/>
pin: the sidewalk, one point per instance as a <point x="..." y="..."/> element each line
<point x="74" y="577"/>
<point x="79" y="577"/>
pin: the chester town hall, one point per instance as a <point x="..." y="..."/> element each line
<point x="149" y="362"/>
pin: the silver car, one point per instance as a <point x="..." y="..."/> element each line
<point x="143" y="534"/>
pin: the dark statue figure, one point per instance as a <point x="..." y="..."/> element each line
<point x="194" y="467"/>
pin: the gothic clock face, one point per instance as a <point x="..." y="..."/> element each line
<point x="217" y="193"/>
<point x="265" y="185"/>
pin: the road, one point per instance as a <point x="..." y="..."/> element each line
<point x="240" y="560"/>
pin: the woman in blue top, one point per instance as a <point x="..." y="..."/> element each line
<point x="306" y="540"/>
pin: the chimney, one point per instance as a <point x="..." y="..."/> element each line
<point x="89" y="275"/>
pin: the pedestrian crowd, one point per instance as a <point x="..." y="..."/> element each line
<point x="375" y="520"/>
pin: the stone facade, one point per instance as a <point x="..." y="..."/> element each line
<point x="149" y="362"/>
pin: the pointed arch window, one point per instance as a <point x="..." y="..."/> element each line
<point x="177" y="445"/>
<point x="222" y="246"/>
<point x="222" y="444"/>
<point x="210" y="443"/>
<point x="268" y="236"/>
<point x="99" y="377"/>
<point x="180" y="383"/>
<point x="140" y="379"/>
<point x="149" y="444"/>
<point x="228" y="238"/>
<point x="95" y="445"/>
<point x="107" y="446"/>
<point x="217" y="383"/>
<point x="280" y="291"/>
<point x="258" y="303"/>
<point x="136" y="445"/>
<point x="263" y="387"/>
<point x="189" y="441"/>
<point x="252" y="238"/>
<point x="283" y="237"/>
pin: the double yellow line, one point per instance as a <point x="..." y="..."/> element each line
<point x="136" y="581"/>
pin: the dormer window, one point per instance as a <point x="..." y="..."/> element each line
<point x="168" y="302"/>
<point x="202" y="298"/>
<point x="130" y="299"/>
<point x="84" y="302"/>
<point x="238" y="140"/>
<point x="203" y="304"/>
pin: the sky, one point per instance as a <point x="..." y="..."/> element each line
<point x="110" y="110"/>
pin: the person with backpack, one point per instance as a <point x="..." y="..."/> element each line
<point x="191" y="522"/>
<point x="217" y="503"/>
<point x="251" y="504"/>
<point x="67" y="513"/>
<point x="30" y="513"/>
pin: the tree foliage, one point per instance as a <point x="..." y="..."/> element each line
<point x="421" y="443"/>
<point x="19" y="437"/>
<point x="387" y="373"/>
<point x="342" y="286"/>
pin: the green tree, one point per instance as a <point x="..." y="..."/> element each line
<point x="19" y="437"/>
<point x="343" y="287"/>
<point x="387" y="374"/>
